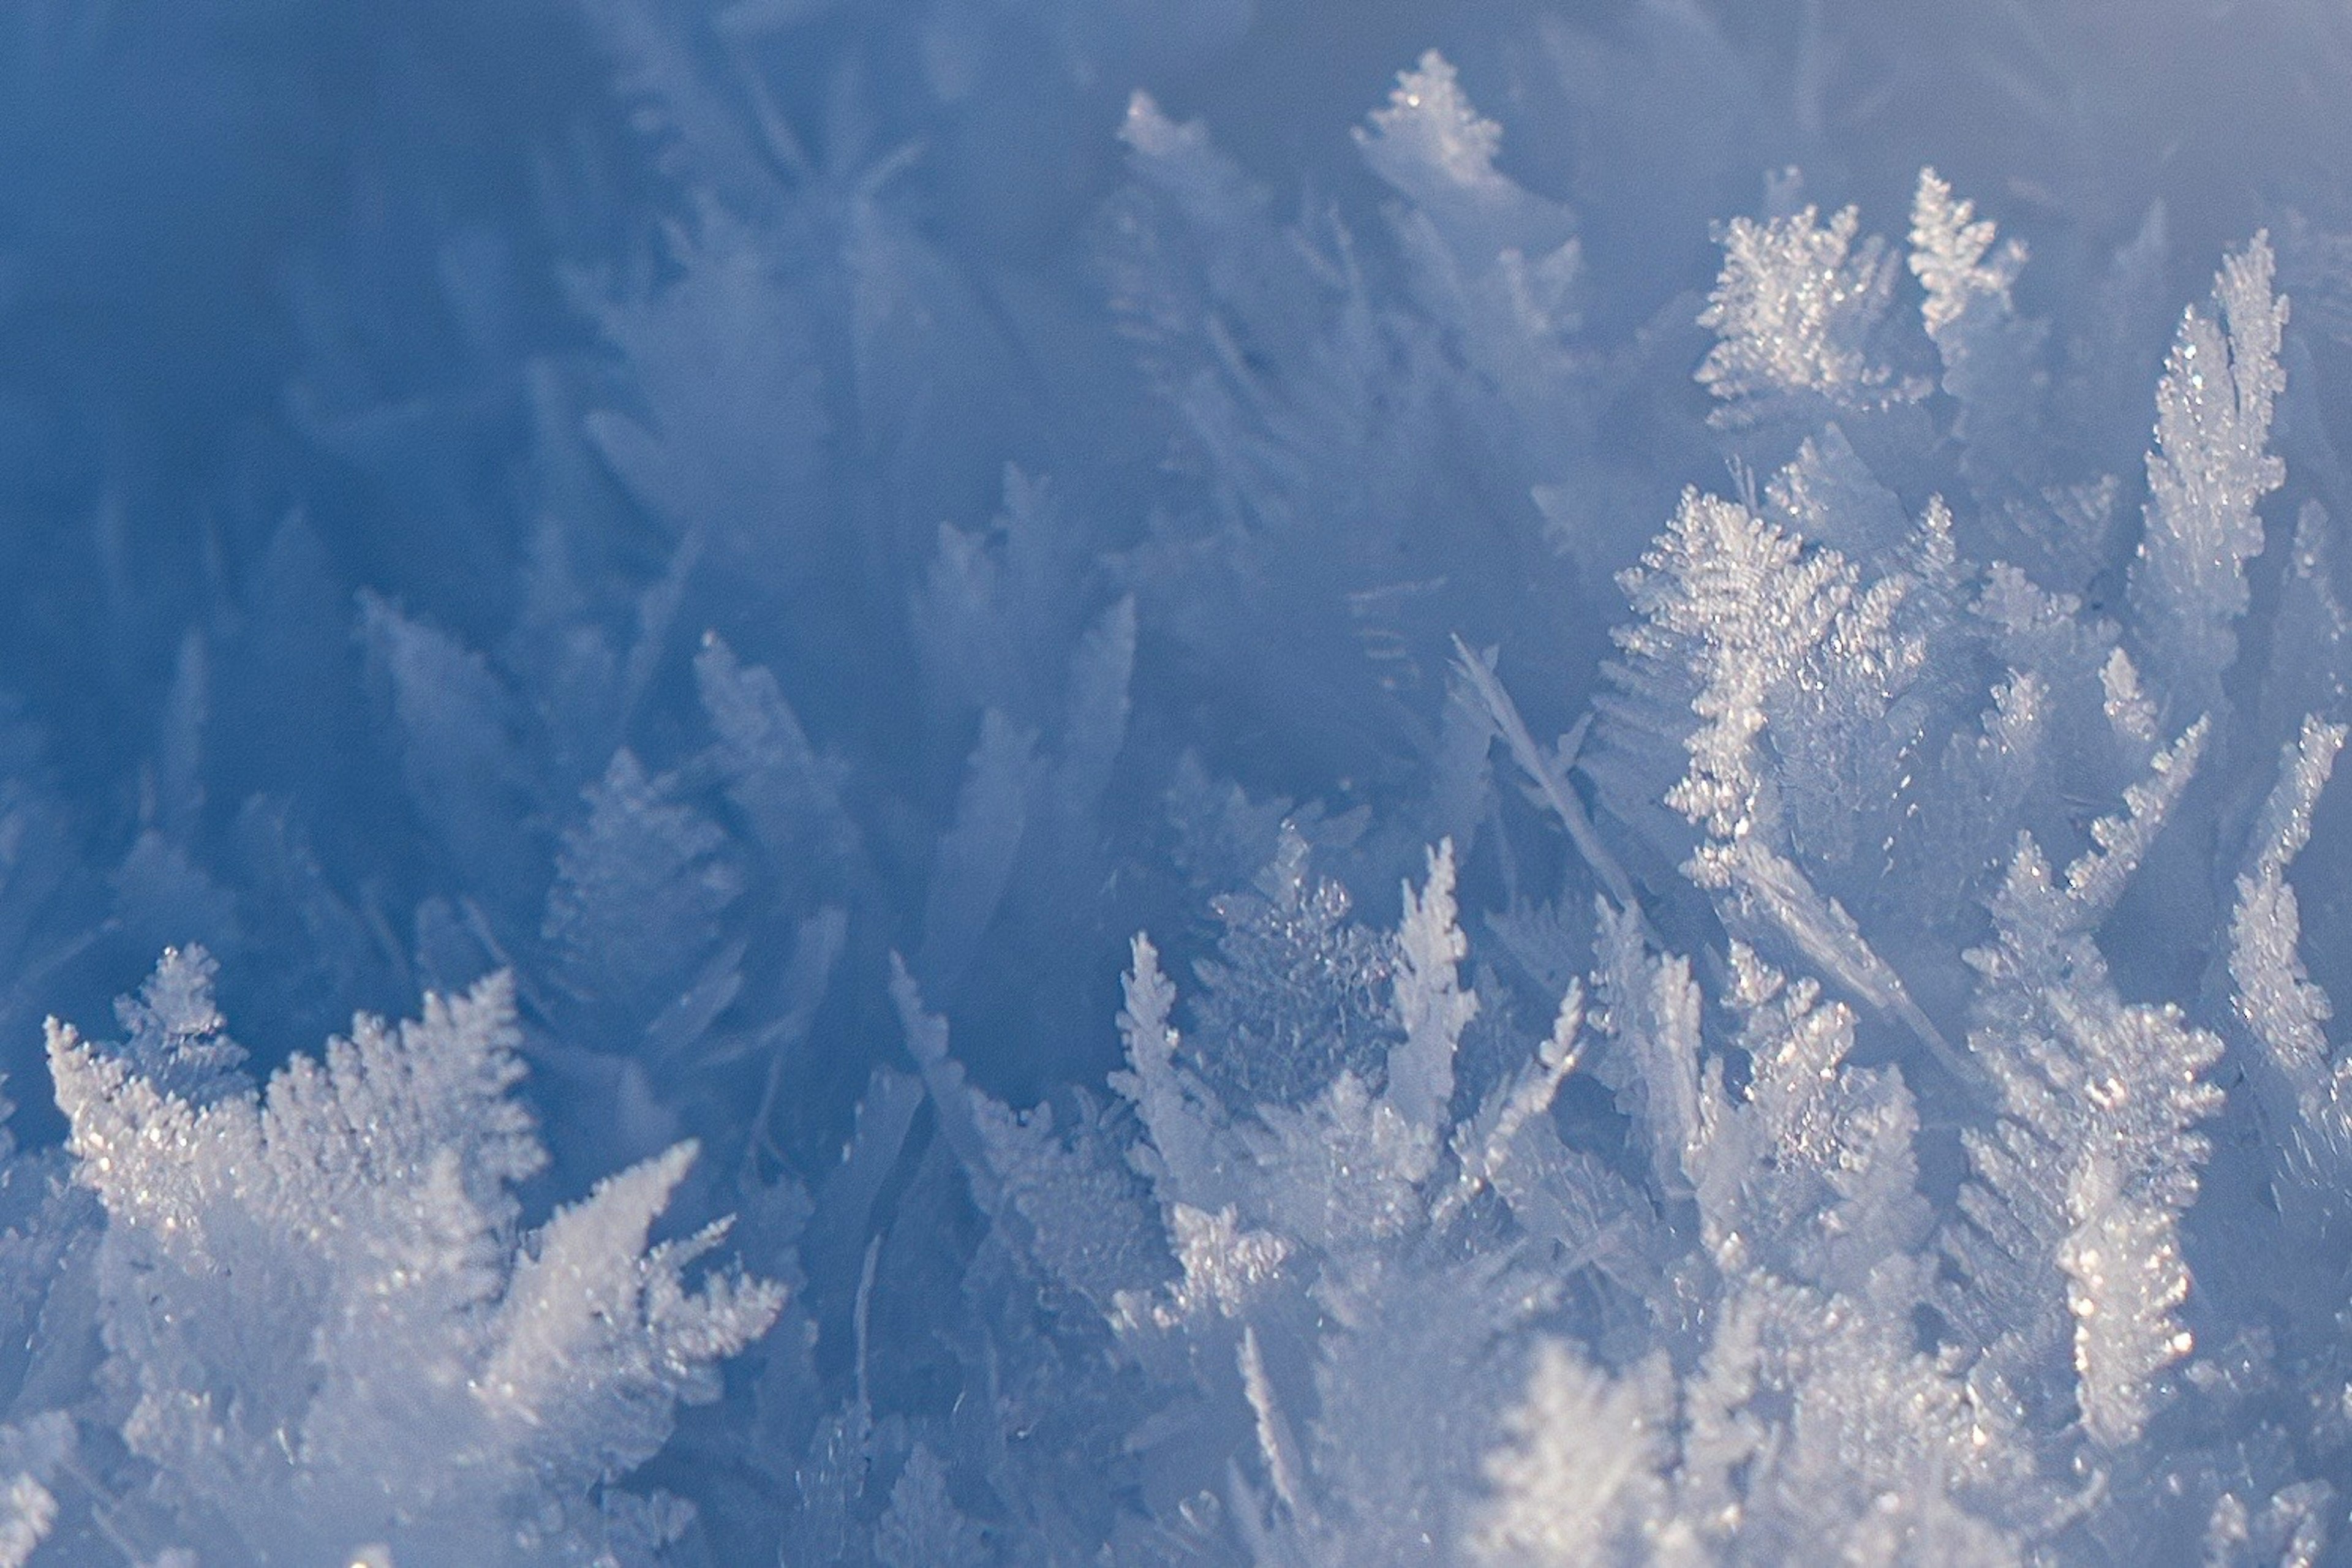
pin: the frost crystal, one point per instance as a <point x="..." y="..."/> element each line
<point x="641" y="887"/>
<point x="1948" y="246"/>
<point x="782" y="531"/>
<point x="1756" y="622"/>
<point x="2210" y="468"/>
<point x="1296" y="989"/>
<point x="1795" y="305"/>
<point x="1429" y="123"/>
<point x="1582" y="1483"/>
<point x="2276" y="1000"/>
<point x="2094" y="1159"/>
<point x="31" y="1455"/>
<point x="328" y="1331"/>
<point x="1991" y="356"/>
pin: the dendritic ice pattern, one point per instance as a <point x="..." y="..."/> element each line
<point x="1175" y="782"/>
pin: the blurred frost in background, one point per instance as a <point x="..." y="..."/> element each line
<point x="1207" y="783"/>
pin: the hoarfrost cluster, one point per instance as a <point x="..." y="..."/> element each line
<point x="1597" y="827"/>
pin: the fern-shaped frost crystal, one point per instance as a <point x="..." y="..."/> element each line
<point x="1991" y="356"/>
<point x="2210" y="468"/>
<point x="1582" y="1477"/>
<point x="2276" y="1000"/>
<point x="1298" y="989"/>
<point x="1795" y="306"/>
<point x="1429" y="124"/>
<point x="328" y="1329"/>
<point x="1948" y="249"/>
<point x="1745" y="613"/>
<point x="1744" y="607"/>
<point x="2094" y="1159"/>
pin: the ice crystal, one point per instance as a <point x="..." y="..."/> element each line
<point x="1795" y="305"/>
<point x="2211" y="465"/>
<point x="324" y="1323"/>
<point x="1730" y="900"/>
